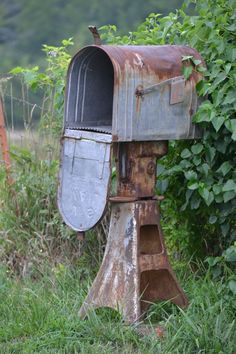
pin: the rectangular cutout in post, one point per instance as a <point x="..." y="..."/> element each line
<point x="150" y="242"/>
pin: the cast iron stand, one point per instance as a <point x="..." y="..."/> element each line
<point x="135" y="271"/>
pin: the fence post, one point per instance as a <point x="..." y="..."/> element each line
<point x="4" y="145"/>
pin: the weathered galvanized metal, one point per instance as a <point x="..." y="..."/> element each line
<point x="84" y="178"/>
<point x="135" y="271"/>
<point x="137" y="93"/>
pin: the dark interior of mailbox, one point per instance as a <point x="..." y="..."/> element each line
<point x="89" y="98"/>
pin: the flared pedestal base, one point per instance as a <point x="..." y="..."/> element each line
<point x="135" y="271"/>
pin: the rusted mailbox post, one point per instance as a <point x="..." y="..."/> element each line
<point x="126" y="102"/>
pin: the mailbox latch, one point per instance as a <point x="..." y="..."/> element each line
<point x="176" y="84"/>
<point x="177" y="90"/>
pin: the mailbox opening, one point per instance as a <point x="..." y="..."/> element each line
<point x="90" y="91"/>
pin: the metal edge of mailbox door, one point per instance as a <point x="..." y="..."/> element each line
<point x="143" y="63"/>
<point x="84" y="178"/>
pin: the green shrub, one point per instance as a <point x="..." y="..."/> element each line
<point x="32" y="232"/>
<point x="201" y="175"/>
<point x="51" y="82"/>
<point x="33" y="236"/>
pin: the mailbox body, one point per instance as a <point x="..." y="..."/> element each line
<point x="118" y="94"/>
<point x="136" y="93"/>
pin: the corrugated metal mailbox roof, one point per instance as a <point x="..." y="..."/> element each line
<point x="137" y="93"/>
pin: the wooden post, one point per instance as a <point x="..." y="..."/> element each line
<point x="4" y="145"/>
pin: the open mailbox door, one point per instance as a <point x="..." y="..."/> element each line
<point x="84" y="178"/>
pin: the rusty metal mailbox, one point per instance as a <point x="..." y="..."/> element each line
<point x="135" y="93"/>
<point x="125" y="102"/>
<point x="118" y="94"/>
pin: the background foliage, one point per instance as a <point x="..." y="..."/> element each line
<point x="28" y="24"/>
<point x="50" y="82"/>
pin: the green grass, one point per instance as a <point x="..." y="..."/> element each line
<point x="42" y="317"/>
<point x="47" y="274"/>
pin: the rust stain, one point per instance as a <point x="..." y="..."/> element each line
<point x="158" y="62"/>
<point x="168" y="64"/>
<point x="138" y="94"/>
<point x="114" y="138"/>
<point x="137" y="179"/>
<point x="135" y="270"/>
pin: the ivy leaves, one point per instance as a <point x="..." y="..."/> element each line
<point x="202" y="174"/>
<point x="209" y="167"/>
<point x="191" y="64"/>
<point x="212" y="173"/>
